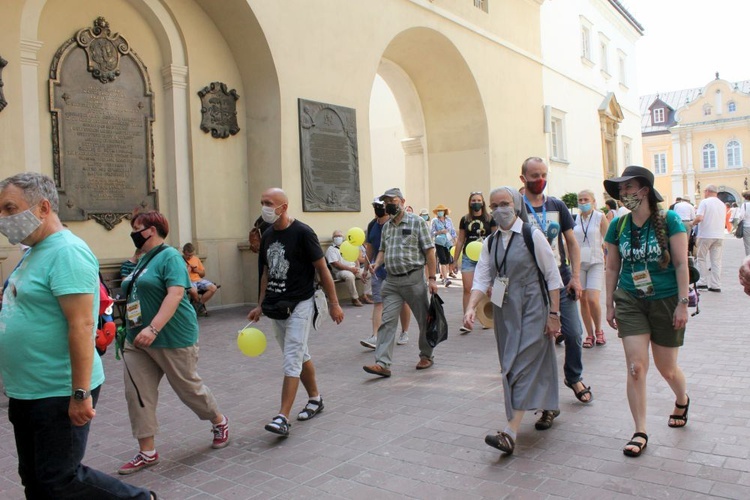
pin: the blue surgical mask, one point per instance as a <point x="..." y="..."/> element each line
<point x="338" y="240"/>
<point x="426" y="217"/>
<point x="585" y="207"/>
<point x="440" y="213"/>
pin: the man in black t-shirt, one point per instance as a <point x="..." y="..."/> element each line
<point x="552" y="216"/>
<point x="290" y="254"/>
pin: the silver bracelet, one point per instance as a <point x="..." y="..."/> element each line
<point x="154" y="330"/>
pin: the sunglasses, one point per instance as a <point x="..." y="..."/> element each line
<point x="475" y="192"/>
<point x="635" y="237"/>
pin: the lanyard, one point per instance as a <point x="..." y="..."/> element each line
<point x="501" y="267"/>
<point x="586" y="229"/>
<point x="543" y="221"/>
<point x="141" y="268"/>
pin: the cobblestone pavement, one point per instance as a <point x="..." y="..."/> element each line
<point x="421" y="434"/>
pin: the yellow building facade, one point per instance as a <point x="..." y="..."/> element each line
<point x="695" y="137"/>
<point x="467" y="76"/>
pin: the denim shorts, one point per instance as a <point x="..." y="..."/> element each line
<point x="467" y="265"/>
<point x="640" y="316"/>
<point x="377" y="284"/>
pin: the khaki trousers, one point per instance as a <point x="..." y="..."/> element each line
<point x="147" y="367"/>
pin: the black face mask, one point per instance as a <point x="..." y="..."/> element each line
<point x="138" y="239"/>
<point x="476" y="207"/>
<point x="392" y="209"/>
<point x="379" y="211"/>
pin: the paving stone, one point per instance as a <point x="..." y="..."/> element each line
<point x="421" y="434"/>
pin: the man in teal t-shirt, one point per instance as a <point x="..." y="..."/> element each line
<point x="51" y="372"/>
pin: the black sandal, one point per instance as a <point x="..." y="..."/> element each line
<point x="279" y="425"/>
<point x="632" y="442"/>
<point x="582" y="393"/>
<point x="680" y="418"/>
<point x="502" y="441"/>
<point x="311" y="409"/>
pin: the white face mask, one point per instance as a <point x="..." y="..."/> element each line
<point x="504" y="216"/>
<point x="18" y="227"/>
<point x="338" y="240"/>
<point x="269" y="214"/>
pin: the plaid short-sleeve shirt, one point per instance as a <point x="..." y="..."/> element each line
<point x="405" y="244"/>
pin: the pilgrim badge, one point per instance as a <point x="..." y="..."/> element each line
<point x="219" y="110"/>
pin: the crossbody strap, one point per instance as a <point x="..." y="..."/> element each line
<point x="140" y="270"/>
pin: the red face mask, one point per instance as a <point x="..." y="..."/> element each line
<point x="537" y="186"/>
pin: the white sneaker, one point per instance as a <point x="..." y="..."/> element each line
<point x="370" y="343"/>
<point x="403" y="338"/>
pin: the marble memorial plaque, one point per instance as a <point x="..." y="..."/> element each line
<point x="102" y="112"/>
<point x="329" y="158"/>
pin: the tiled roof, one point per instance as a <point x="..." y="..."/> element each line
<point x="675" y="100"/>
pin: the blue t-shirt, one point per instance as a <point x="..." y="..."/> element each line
<point x="374" y="233"/>
<point x="646" y="255"/>
<point x="34" y="349"/>
<point x="554" y="211"/>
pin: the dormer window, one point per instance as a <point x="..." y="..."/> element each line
<point x="707" y="110"/>
<point x="659" y="115"/>
<point x="732" y="107"/>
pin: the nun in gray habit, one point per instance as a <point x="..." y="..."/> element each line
<point x="526" y="308"/>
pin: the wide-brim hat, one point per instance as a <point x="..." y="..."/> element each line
<point x="485" y="313"/>
<point x="441" y="207"/>
<point x="424" y="211"/>
<point x="631" y="172"/>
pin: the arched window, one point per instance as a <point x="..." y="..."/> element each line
<point x="706" y="109"/>
<point x="734" y="154"/>
<point x="709" y="156"/>
<point x="732" y="106"/>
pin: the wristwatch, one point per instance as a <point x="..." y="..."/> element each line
<point x="80" y="394"/>
<point x="553" y="313"/>
<point x="684" y="300"/>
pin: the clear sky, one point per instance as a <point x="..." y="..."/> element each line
<point x="687" y="41"/>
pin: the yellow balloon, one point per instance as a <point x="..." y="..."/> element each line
<point x="251" y="341"/>
<point x="355" y="236"/>
<point x="349" y="252"/>
<point x="453" y="252"/>
<point x="474" y="250"/>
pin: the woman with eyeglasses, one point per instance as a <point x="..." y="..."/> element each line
<point x="476" y="225"/>
<point x="647" y="294"/>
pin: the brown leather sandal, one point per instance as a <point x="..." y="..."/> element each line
<point x="502" y="441"/>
